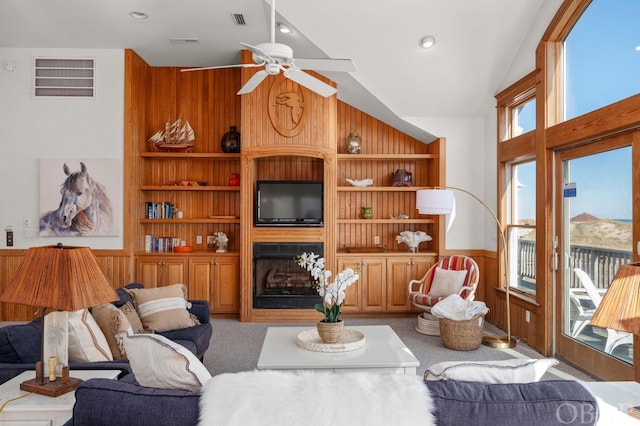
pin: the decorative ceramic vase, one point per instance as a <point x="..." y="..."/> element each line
<point x="413" y="249"/>
<point x="367" y="213"/>
<point x="230" y="142"/>
<point x="353" y="143"/>
<point x="234" y="180"/>
<point x="330" y="332"/>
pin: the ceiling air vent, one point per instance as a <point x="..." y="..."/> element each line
<point x="238" y="19"/>
<point x="64" y="78"/>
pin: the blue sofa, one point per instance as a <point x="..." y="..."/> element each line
<point x="101" y="402"/>
<point x="20" y="344"/>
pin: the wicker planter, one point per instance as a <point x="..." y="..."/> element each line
<point x="330" y="332"/>
<point x="462" y="335"/>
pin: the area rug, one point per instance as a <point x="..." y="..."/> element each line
<point x="315" y="398"/>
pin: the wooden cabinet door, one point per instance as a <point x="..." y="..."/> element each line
<point x="398" y="276"/>
<point x="374" y="278"/>
<point x="400" y="271"/>
<point x="174" y="272"/>
<point x="200" y="278"/>
<point x="352" y="302"/>
<point x="160" y="271"/>
<point x="226" y="285"/>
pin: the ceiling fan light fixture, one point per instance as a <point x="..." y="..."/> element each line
<point x="138" y="15"/>
<point x="284" y="28"/>
<point x="427" y="42"/>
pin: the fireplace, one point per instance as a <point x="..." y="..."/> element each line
<point x="278" y="281"/>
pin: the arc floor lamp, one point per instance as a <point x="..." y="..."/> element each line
<point x="440" y="200"/>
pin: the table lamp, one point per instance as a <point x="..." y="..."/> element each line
<point x="440" y="200"/>
<point x="620" y="308"/>
<point x="57" y="278"/>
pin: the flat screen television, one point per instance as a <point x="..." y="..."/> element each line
<point x="289" y="203"/>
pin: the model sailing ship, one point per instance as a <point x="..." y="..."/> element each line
<point x="178" y="136"/>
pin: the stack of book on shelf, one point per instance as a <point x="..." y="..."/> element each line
<point x="164" y="210"/>
<point x="160" y="244"/>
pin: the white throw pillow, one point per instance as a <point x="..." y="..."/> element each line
<point x="509" y="371"/>
<point x="447" y="282"/>
<point x="86" y="340"/>
<point x="158" y="362"/>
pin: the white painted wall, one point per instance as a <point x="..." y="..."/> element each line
<point x="466" y="167"/>
<point x="31" y="129"/>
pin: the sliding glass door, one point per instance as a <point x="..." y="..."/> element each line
<point x="594" y="231"/>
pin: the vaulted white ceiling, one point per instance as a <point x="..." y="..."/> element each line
<point x="476" y="42"/>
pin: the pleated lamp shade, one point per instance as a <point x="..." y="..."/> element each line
<point x="59" y="277"/>
<point x="620" y="306"/>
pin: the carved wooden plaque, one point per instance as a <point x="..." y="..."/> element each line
<point x="287" y="109"/>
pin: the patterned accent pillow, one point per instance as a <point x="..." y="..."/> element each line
<point x="112" y="321"/>
<point x="163" y="308"/>
<point x="158" y="362"/>
<point x="508" y="371"/>
<point x="87" y="342"/>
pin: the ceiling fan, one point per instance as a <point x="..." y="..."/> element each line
<point x="276" y="57"/>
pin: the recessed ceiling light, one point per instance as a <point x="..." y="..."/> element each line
<point x="138" y="15"/>
<point x="427" y="42"/>
<point x="637" y="48"/>
<point x="283" y="28"/>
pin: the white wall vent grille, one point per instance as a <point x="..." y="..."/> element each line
<point x="64" y="78"/>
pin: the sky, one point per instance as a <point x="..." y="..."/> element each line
<point x="602" y="67"/>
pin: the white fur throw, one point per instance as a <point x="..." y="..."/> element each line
<point x="310" y="398"/>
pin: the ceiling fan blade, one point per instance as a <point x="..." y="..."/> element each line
<point x="340" y="65"/>
<point x="222" y="66"/>
<point x="258" y="52"/>
<point x="253" y="82"/>
<point x="310" y="82"/>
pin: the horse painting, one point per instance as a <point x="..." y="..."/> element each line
<point x="84" y="210"/>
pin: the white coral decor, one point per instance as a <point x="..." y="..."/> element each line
<point x="412" y="239"/>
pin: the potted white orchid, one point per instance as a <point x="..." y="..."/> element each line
<point x="331" y="291"/>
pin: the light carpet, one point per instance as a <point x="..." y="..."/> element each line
<point x="235" y="346"/>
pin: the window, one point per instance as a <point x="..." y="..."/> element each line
<point x="523" y="117"/>
<point x="521" y="221"/>
<point x="517" y="181"/>
<point x="601" y="57"/>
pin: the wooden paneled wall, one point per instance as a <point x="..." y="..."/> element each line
<point x="115" y="264"/>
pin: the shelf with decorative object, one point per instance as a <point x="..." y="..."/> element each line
<point x="344" y="188"/>
<point x="385" y="157"/>
<point x="188" y="188"/>
<point x="385" y="221"/>
<point x="376" y="193"/>
<point x="193" y="220"/>
<point x="190" y="156"/>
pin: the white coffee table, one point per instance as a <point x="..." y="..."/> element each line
<point x="41" y="410"/>
<point x="383" y="352"/>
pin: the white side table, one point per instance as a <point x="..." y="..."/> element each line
<point x="41" y="410"/>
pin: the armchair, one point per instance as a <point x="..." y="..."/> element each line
<point x="421" y="292"/>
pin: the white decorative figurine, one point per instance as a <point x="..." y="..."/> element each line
<point x="362" y="183"/>
<point x="412" y="239"/>
<point x="221" y="240"/>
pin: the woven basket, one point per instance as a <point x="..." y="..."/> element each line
<point x="462" y="335"/>
<point x="428" y="324"/>
<point x="330" y="332"/>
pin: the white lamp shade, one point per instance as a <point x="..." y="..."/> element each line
<point x="434" y="201"/>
